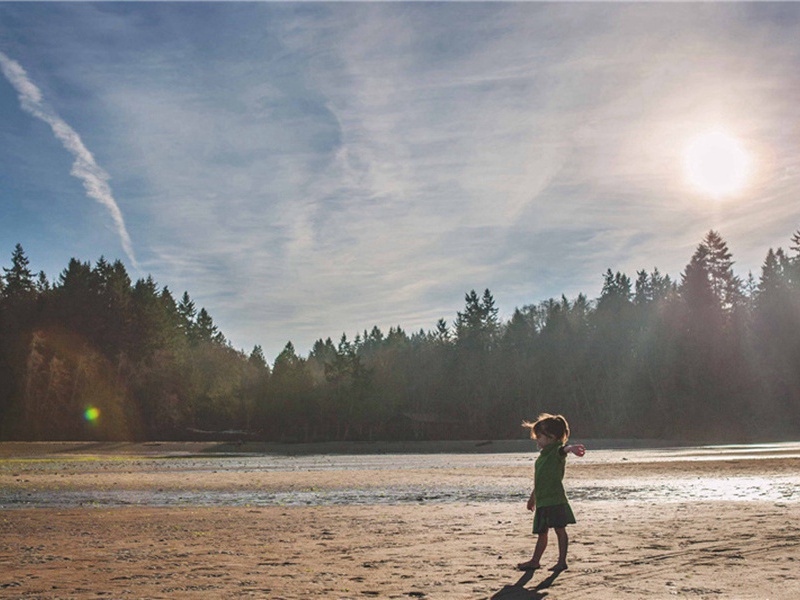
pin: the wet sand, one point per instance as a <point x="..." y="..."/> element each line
<point x="620" y="549"/>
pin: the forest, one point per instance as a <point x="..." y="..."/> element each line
<point x="708" y="357"/>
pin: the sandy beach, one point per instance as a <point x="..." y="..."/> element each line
<point x="738" y="543"/>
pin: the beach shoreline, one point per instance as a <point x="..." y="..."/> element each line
<point x="23" y="449"/>
<point x="629" y="547"/>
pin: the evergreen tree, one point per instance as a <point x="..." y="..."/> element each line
<point x="187" y="314"/>
<point x="793" y="267"/>
<point x="257" y="358"/>
<point x="647" y="356"/>
<point x="696" y="286"/>
<point x="42" y="284"/>
<point x="773" y="281"/>
<point x="290" y="408"/>
<point x="18" y="279"/>
<point x="478" y="324"/>
<point x="205" y="328"/>
<point x="644" y="288"/>
<point x="616" y="293"/>
<point x="716" y="257"/>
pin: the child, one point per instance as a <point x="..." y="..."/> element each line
<point x="551" y="433"/>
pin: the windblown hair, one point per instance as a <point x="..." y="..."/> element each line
<point x="555" y="426"/>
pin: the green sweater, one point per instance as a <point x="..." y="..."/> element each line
<point x="548" y="487"/>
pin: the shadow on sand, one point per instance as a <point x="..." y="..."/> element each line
<point x="518" y="591"/>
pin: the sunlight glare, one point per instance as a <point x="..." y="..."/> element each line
<point x="717" y="164"/>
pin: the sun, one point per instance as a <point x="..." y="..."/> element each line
<point x="716" y="163"/>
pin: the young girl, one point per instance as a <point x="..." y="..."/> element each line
<point x="551" y="433"/>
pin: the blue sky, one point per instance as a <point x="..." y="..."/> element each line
<point x="305" y="170"/>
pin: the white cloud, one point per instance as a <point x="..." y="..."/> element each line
<point x="525" y="149"/>
<point x="85" y="168"/>
<point x="343" y="165"/>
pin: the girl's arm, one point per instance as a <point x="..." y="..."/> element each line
<point x="532" y="502"/>
<point x="576" y="449"/>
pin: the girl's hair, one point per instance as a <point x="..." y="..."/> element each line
<point x="555" y="426"/>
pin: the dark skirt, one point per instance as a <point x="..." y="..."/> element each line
<point x="552" y="516"/>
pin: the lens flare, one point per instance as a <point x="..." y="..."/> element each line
<point x="91" y="414"/>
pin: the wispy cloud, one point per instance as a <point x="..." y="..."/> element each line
<point x="85" y="168"/>
<point x="327" y="167"/>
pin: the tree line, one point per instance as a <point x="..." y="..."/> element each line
<point x="709" y="356"/>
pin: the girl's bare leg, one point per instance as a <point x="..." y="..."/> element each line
<point x="534" y="563"/>
<point x="563" y="545"/>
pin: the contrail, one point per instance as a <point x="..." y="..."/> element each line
<point x="94" y="178"/>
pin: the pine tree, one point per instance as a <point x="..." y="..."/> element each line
<point x="206" y="330"/>
<point x="616" y="293"/>
<point x="793" y="271"/>
<point x="442" y="334"/>
<point x="772" y="280"/>
<point x="42" y="284"/>
<point x="708" y="281"/>
<point x="257" y="358"/>
<point x="726" y="286"/>
<point x="187" y="315"/>
<point x="644" y="289"/>
<point x="478" y="324"/>
<point x="662" y="285"/>
<point x="18" y="279"/>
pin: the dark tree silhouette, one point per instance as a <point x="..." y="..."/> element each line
<point x="706" y="358"/>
